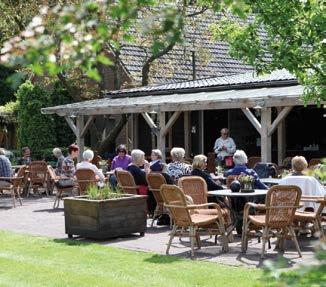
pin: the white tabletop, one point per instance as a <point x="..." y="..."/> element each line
<point x="228" y="192"/>
<point x="270" y="180"/>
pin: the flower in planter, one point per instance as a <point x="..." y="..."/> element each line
<point x="95" y="193"/>
<point x="247" y="181"/>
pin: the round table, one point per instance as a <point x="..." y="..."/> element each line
<point x="270" y="180"/>
<point x="228" y="193"/>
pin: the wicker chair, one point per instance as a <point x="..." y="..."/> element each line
<point x="60" y="190"/>
<point x="281" y="204"/>
<point x="155" y="180"/>
<point x="313" y="162"/>
<point x="196" y="188"/>
<point x="175" y="201"/>
<point x="38" y="171"/>
<point x="126" y="182"/>
<point x="314" y="217"/>
<point x="16" y="184"/>
<point x="85" y="178"/>
<point x="253" y="160"/>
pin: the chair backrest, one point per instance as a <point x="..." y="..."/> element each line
<point x="175" y="201"/>
<point x="229" y="180"/>
<point x="38" y="171"/>
<point x="51" y="172"/>
<point x="155" y="180"/>
<point x="314" y="161"/>
<point x="253" y="160"/>
<point x="211" y="156"/>
<point x="19" y="178"/>
<point x="195" y="187"/>
<point x="281" y="203"/>
<point x="85" y="178"/>
<point x="126" y="182"/>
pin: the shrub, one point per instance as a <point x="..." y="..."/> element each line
<point x="34" y="129"/>
<point x="106" y="192"/>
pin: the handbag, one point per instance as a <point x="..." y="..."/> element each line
<point x="65" y="183"/>
<point x="228" y="161"/>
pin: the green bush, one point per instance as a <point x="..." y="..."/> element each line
<point x="34" y="129"/>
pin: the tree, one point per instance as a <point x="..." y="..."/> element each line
<point x="281" y="34"/>
<point x="35" y="130"/>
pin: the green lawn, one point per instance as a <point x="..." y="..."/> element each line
<point x="34" y="261"/>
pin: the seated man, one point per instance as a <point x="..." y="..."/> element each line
<point x="26" y="159"/>
<point x="5" y="169"/>
<point x="240" y="160"/>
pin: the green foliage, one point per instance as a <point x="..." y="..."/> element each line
<point x="34" y="129"/>
<point x="306" y="275"/>
<point x="106" y="192"/>
<point x="293" y="39"/>
<point x="7" y="89"/>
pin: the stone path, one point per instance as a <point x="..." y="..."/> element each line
<point x="37" y="217"/>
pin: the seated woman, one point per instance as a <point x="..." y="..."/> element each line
<point x="199" y="165"/>
<point x="309" y="185"/>
<point x="137" y="161"/>
<point x="120" y="161"/>
<point x="156" y="165"/>
<point x="88" y="155"/>
<point x="177" y="168"/>
<point x="240" y="160"/>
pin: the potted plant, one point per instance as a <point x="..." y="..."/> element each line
<point x="103" y="213"/>
<point x="247" y="183"/>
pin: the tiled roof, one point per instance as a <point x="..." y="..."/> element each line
<point x="246" y="80"/>
<point x="212" y="58"/>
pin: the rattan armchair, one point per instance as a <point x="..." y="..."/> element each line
<point x="253" y="160"/>
<point x="196" y="188"/>
<point x="184" y="217"/>
<point x="314" y="217"/>
<point x="280" y="206"/>
<point x="38" y="171"/>
<point x="60" y="190"/>
<point x="155" y="180"/>
<point x="126" y="182"/>
<point x="16" y="183"/>
<point x="85" y="177"/>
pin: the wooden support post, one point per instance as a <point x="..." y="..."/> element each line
<point x="281" y="140"/>
<point x="280" y="117"/>
<point x="80" y="138"/>
<point x="149" y="120"/>
<point x="170" y="122"/>
<point x="136" y="130"/>
<point x="266" y="143"/>
<point x="251" y="117"/>
<point x="161" y="135"/>
<point x="201" y="131"/>
<point x="71" y="125"/>
<point x="186" y="127"/>
<point x="87" y="125"/>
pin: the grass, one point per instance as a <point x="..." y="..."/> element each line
<point x="35" y="261"/>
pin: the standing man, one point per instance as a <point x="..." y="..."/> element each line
<point x="5" y="169"/>
<point x="224" y="147"/>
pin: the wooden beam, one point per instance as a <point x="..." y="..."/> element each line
<point x="171" y="122"/>
<point x="160" y="135"/>
<point x="201" y="131"/>
<point x="281" y="141"/>
<point x="266" y="147"/>
<point x="71" y="125"/>
<point x="280" y="117"/>
<point x="80" y="139"/>
<point x="252" y="119"/>
<point x="87" y="125"/>
<point x="149" y="120"/>
<point x="186" y="132"/>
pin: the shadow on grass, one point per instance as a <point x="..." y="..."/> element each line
<point x="73" y="242"/>
<point x="162" y="259"/>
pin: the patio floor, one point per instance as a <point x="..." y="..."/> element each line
<point x="37" y="217"/>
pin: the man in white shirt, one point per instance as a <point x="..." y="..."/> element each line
<point x="224" y="145"/>
<point x="86" y="164"/>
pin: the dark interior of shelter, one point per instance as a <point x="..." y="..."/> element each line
<point x="305" y="132"/>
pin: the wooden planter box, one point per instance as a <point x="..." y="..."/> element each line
<point x="105" y="218"/>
